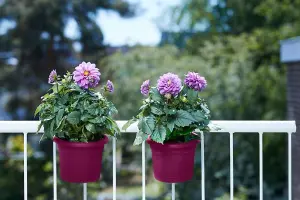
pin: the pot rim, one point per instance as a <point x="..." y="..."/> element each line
<point x="91" y="144"/>
<point x="174" y="144"/>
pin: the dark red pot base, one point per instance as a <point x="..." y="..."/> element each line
<point x="173" y="162"/>
<point x="80" y="162"/>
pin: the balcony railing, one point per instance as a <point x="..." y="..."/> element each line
<point x="231" y="127"/>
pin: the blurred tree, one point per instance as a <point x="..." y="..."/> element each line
<point x="34" y="44"/>
<point x="245" y="82"/>
<point x="39" y="44"/>
<point x="236" y="16"/>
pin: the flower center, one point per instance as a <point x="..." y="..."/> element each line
<point x="169" y="82"/>
<point x="86" y="73"/>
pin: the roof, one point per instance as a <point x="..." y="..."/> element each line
<point x="290" y="50"/>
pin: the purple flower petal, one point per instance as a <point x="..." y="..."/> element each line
<point x="169" y="83"/>
<point x="52" y="77"/>
<point x="86" y="75"/>
<point x="110" y="86"/>
<point x="195" y="81"/>
<point x="145" y="87"/>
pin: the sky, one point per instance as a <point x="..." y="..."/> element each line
<point x="142" y="29"/>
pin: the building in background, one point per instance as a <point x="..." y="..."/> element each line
<point x="290" y="54"/>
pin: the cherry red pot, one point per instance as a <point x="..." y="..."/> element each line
<point x="80" y="162"/>
<point x="173" y="162"/>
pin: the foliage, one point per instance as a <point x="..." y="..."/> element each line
<point x="38" y="41"/>
<point x="246" y="82"/>
<point x="76" y="114"/>
<point x="235" y="16"/>
<point x="16" y="145"/>
<point x="171" y="118"/>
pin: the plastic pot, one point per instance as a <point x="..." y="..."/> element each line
<point x="173" y="162"/>
<point x="80" y="162"/>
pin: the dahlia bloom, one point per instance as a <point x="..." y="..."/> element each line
<point x="195" y="81"/>
<point x="169" y="83"/>
<point x="145" y="87"/>
<point x="52" y="76"/>
<point x="109" y="86"/>
<point x="86" y="75"/>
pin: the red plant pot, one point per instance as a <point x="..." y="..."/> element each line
<point x="173" y="162"/>
<point x="80" y="162"/>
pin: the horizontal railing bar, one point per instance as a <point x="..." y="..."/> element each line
<point x="226" y="126"/>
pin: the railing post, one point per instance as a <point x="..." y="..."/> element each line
<point x="54" y="173"/>
<point x="202" y="168"/>
<point x="25" y="168"/>
<point x="290" y="165"/>
<point x="173" y="191"/>
<point x="231" y="166"/>
<point x="261" y="181"/>
<point x="114" y="170"/>
<point x="84" y="191"/>
<point x="144" y="170"/>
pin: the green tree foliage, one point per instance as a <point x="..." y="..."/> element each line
<point x="240" y="87"/>
<point x="236" y="16"/>
<point x="39" y="44"/>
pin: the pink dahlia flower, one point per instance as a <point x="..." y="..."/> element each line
<point x="86" y="75"/>
<point x="110" y="86"/>
<point x="169" y="84"/>
<point x="145" y="87"/>
<point x="52" y="77"/>
<point x="195" y="81"/>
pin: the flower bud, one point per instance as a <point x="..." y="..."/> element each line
<point x="184" y="99"/>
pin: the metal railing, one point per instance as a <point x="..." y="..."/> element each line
<point x="231" y="127"/>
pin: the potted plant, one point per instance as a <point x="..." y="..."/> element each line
<point x="168" y="118"/>
<point x="77" y="119"/>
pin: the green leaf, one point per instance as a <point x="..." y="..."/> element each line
<point x="114" y="126"/>
<point x="170" y="111"/>
<point x="52" y="127"/>
<point x="156" y="96"/>
<point x="204" y="107"/>
<point x="159" y="134"/>
<point x="155" y="110"/>
<point x="148" y="125"/>
<point x="85" y="117"/>
<point x="59" y="116"/>
<point x="144" y="106"/>
<point x="98" y="120"/>
<point x="91" y="128"/>
<point x="86" y="104"/>
<point x="48" y="129"/>
<point x="74" y="117"/>
<point x="198" y="116"/>
<point x="129" y="123"/>
<point x="47" y="118"/>
<point x="63" y="99"/>
<point x="56" y="88"/>
<point x="61" y="124"/>
<point x="183" y="118"/>
<point x="140" y="124"/>
<point x="170" y="125"/>
<point x="92" y="109"/>
<point x="192" y="95"/>
<point x="140" y="138"/>
<point x="74" y="104"/>
<point x="39" y="127"/>
<point x="38" y="109"/>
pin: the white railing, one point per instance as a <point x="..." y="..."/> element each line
<point x="231" y="127"/>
